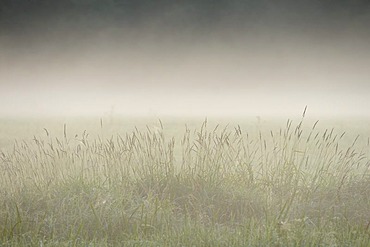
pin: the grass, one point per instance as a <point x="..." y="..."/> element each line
<point x="215" y="186"/>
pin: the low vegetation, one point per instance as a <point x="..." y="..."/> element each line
<point x="297" y="186"/>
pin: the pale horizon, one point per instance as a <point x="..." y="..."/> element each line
<point x="273" y="61"/>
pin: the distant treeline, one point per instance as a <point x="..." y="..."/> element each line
<point x="20" y="13"/>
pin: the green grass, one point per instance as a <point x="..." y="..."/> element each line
<point x="298" y="185"/>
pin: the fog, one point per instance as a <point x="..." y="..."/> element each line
<point x="275" y="62"/>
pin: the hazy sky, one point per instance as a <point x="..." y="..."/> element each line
<point x="84" y="57"/>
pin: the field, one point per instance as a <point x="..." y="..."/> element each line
<point x="184" y="182"/>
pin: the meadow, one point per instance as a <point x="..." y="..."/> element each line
<point x="184" y="182"/>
